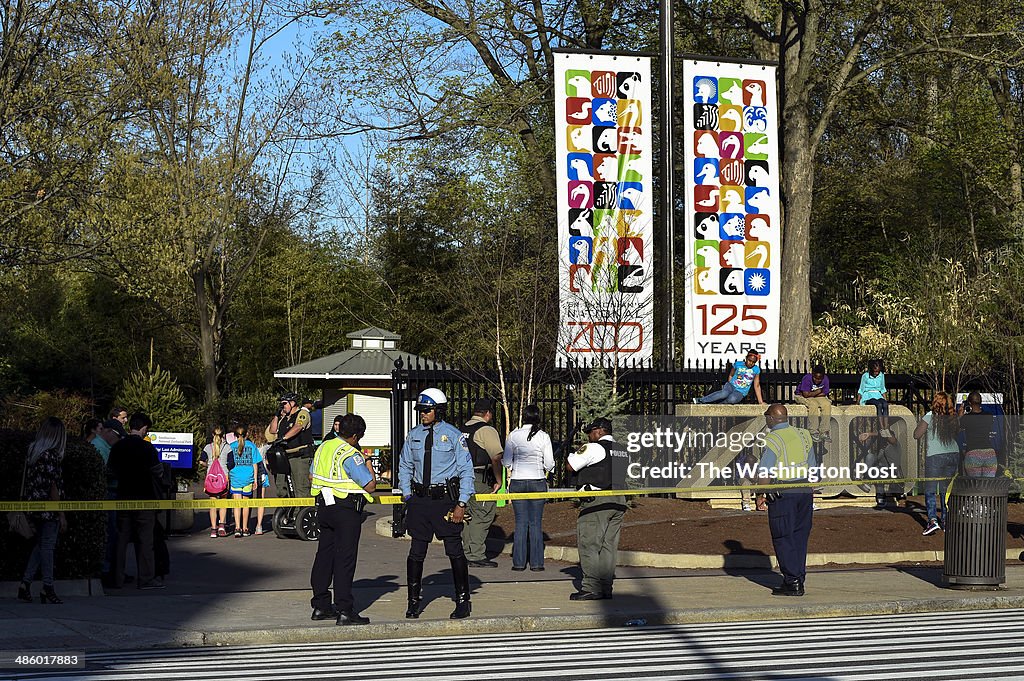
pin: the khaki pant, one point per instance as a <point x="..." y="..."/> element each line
<point x="474" y="536"/>
<point x="300" y="478"/>
<point x="597" y="538"/>
<point x="819" y="413"/>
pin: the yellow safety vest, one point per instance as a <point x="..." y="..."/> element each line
<point x="792" y="446"/>
<point x="329" y="469"/>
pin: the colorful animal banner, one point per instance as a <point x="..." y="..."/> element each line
<point x="733" y="246"/>
<point x="603" y="147"/>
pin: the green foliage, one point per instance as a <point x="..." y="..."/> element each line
<point x="597" y="397"/>
<point x="250" y="409"/>
<point x="80" y="549"/>
<point x="156" y="393"/>
<point x="29" y="412"/>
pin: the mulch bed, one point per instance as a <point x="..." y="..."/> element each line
<point x="685" y="526"/>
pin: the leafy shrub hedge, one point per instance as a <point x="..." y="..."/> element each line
<point x="80" y="549"/>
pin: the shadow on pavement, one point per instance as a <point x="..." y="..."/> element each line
<point x="753" y="565"/>
<point x="931" y="575"/>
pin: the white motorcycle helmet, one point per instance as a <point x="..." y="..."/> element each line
<point x="432" y="398"/>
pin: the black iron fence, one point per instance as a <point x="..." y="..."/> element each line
<point x="647" y="390"/>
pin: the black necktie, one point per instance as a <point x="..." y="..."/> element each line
<point x="427" y="446"/>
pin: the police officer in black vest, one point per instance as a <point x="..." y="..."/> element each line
<point x="599" y="465"/>
<point x="435" y="474"/>
<point x="486" y="450"/>
<point x="292" y="429"/>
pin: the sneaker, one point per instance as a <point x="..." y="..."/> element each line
<point x="827" y="437"/>
<point x="745" y="506"/>
<point x="152" y="584"/>
<point x="221" y="532"/>
<point x="213" y="534"/>
<point x="815" y="436"/>
<point x="932" y="527"/>
<point x="259" y="531"/>
<point x="246" y="533"/>
<point x="238" y="534"/>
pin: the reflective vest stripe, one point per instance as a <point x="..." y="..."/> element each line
<point x="329" y="469"/>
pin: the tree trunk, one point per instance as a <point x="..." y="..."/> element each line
<point x="209" y="338"/>
<point x="797" y="192"/>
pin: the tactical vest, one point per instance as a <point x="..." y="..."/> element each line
<point x="300" y="444"/>
<point x="602" y="474"/>
<point x="479" y="454"/>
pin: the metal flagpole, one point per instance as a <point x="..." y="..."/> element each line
<point x="667" y="185"/>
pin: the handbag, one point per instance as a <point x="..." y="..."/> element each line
<point x="17" y="520"/>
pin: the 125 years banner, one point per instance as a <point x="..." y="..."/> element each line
<point x="605" y="208"/>
<point x="733" y="256"/>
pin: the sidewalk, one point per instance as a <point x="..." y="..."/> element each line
<point x="255" y="591"/>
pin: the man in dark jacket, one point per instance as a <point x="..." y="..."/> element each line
<point x="135" y="464"/>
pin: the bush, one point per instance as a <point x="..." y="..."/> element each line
<point x="29" y="412"/>
<point x="156" y="393"/>
<point x="248" y="408"/>
<point x="80" y="549"/>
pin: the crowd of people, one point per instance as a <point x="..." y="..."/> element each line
<point x="441" y="470"/>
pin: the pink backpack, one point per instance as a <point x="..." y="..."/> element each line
<point x="216" y="479"/>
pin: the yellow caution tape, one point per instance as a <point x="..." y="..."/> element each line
<point x="390" y="499"/>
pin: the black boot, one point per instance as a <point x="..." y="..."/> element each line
<point x="25" y="592"/>
<point x="460" y="575"/>
<point x="49" y="596"/>
<point x="414" y="579"/>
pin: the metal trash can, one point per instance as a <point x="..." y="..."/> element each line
<point x="975" y="532"/>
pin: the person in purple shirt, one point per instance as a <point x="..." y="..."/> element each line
<point x="813" y="394"/>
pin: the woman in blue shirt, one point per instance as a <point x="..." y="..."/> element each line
<point x="872" y="391"/>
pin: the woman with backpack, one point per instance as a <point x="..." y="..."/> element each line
<point x="243" y="464"/>
<point x="214" y="460"/>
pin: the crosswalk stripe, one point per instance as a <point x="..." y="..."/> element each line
<point x="967" y="645"/>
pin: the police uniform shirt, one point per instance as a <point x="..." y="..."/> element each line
<point x="588" y="455"/>
<point x="449" y="458"/>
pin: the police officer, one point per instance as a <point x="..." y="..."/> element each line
<point x="598" y="466"/>
<point x="486" y="451"/>
<point x="435" y="474"/>
<point x="340" y="475"/>
<point x="292" y="428"/>
<point x="787" y="450"/>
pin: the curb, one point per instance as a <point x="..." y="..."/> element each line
<point x="741" y="561"/>
<point x="533" y="623"/>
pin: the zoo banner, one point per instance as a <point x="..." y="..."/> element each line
<point x="733" y="256"/>
<point x="605" y="208"/>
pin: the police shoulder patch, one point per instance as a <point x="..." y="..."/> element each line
<point x="358" y="459"/>
<point x="464" y="441"/>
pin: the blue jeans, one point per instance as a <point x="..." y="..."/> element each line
<point x="881" y="406"/>
<point x="528" y="541"/>
<point x="728" y="394"/>
<point x="42" y="552"/>
<point x="938" y="466"/>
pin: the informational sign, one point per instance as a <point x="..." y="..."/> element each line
<point x="603" y="147"/>
<point x="174" y="448"/>
<point x="733" y="245"/>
